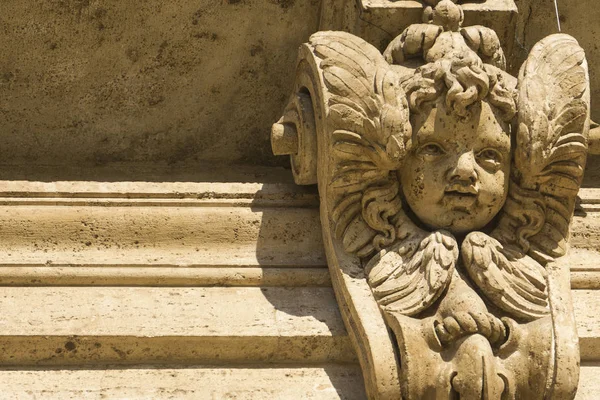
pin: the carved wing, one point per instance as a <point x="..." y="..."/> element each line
<point x="550" y="154"/>
<point x="552" y="138"/>
<point x="413" y="273"/>
<point x="514" y="281"/>
<point x="368" y="117"/>
<point x="369" y="121"/>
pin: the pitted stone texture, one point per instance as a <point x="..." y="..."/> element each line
<point x="323" y="382"/>
<point x="103" y="81"/>
<point x="127" y="325"/>
<point x="579" y="18"/>
<point x="588" y="382"/>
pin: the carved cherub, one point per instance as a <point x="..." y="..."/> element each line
<point x="454" y="183"/>
<point x="436" y="140"/>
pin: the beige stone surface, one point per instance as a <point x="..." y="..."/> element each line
<point x="67" y="259"/>
<point x="100" y="325"/>
<point x="66" y="205"/>
<point x="64" y="325"/>
<point x="587" y="304"/>
<point x="584" y="266"/>
<point x="139" y="275"/>
<point x="321" y="382"/>
<point x="37" y="319"/>
<point x="139" y="172"/>
<point x="589" y="384"/>
<point x="210" y="383"/>
<point x="578" y="18"/>
<point x="122" y="82"/>
<point x="99" y="82"/>
<point x="102" y="81"/>
<point x="255" y="194"/>
<point x="186" y="233"/>
<point x="160" y="236"/>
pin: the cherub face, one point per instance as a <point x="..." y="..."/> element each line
<point x="456" y="175"/>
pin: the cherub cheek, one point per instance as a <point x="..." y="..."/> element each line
<point x="417" y="185"/>
<point x="492" y="191"/>
<point x="494" y="183"/>
<point x="430" y="184"/>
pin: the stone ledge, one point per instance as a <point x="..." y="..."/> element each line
<point x="144" y="233"/>
<point x="142" y="275"/>
<point x="160" y="236"/>
<point x="103" y="325"/>
<point x="589" y="385"/>
<point x="586" y="304"/>
<point x="318" y="382"/>
<point x="143" y="193"/>
<point x="321" y="382"/>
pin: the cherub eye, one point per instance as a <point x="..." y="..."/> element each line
<point x="489" y="159"/>
<point x="430" y="151"/>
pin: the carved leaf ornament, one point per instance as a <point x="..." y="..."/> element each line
<point x="470" y="275"/>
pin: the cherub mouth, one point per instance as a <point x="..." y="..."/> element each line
<point x="462" y="191"/>
<point x="460" y="194"/>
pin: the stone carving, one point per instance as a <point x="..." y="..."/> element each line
<point x="447" y="187"/>
<point x="433" y="3"/>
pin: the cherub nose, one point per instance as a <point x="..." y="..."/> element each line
<point x="464" y="170"/>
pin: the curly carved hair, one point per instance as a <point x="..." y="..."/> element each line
<point x="463" y="82"/>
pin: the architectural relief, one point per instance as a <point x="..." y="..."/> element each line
<point x="379" y="21"/>
<point x="447" y="187"/>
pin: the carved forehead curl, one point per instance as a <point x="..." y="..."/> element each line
<point x="461" y="83"/>
<point x="461" y="65"/>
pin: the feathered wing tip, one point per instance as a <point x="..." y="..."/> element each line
<point x="551" y="148"/>
<point x="550" y="154"/>
<point x="411" y="275"/>
<point x="415" y="41"/>
<point x="365" y="96"/>
<point x="370" y="127"/>
<point x="512" y="280"/>
<point x="484" y="41"/>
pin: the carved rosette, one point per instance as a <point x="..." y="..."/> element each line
<point x="447" y="187"/>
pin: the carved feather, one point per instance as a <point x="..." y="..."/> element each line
<point x="412" y="274"/>
<point x="550" y="154"/>
<point x="552" y="138"/>
<point x="512" y="280"/>
<point x="369" y="121"/>
<point x="484" y="41"/>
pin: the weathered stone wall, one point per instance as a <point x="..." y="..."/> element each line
<point x="578" y="18"/>
<point x="109" y="80"/>
<point x="102" y="81"/>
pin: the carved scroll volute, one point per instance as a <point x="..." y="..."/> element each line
<point x="295" y="134"/>
<point x="362" y="317"/>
